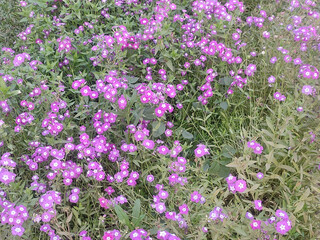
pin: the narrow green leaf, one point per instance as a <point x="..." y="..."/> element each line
<point x="123" y="217"/>
<point x="136" y="212"/>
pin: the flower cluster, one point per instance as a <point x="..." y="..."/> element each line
<point x="6" y="163"/>
<point x="13" y="215"/>
<point x="257" y="148"/>
<point x="217" y="214"/>
<point x="235" y="185"/>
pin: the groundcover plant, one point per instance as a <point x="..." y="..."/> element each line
<point x="128" y="119"/>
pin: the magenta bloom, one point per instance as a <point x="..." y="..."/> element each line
<point x="252" y="144"/>
<point x="74" y="198"/>
<point x="277" y="95"/>
<point x="271" y="79"/>
<point x="201" y="150"/>
<point x="281" y="214"/>
<point x="307" y="90"/>
<point x="195" y="197"/>
<point x="258" y="149"/>
<point x="260" y="175"/>
<point x="231" y="179"/>
<point x="17" y="230"/>
<point x="160" y="207"/>
<point x="163" y="194"/>
<point x="283" y="226"/>
<point x="240" y="185"/>
<point x="249" y="216"/>
<point x="255" y="224"/>
<point x="150" y="178"/>
<point x="184" y="209"/>
<point x="258" y="204"/>
<point x="163" y="150"/>
<point x="148" y="144"/>
<point x="122" y="102"/>
<point x="144" y="21"/>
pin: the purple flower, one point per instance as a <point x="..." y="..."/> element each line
<point x="150" y="178"/>
<point x="307" y="90"/>
<point x="240" y="185"/>
<point x="283" y="226"/>
<point x="259" y="175"/>
<point x="184" y="209"/>
<point x="160" y="207"/>
<point x="258" y="204"/>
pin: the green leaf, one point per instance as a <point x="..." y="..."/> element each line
<point x="132" y="79"/>
<point x="224" y="105"/>
<point x="158" y="128"/>
<point x="269" y="123"/>
<point x="169" y="64"/>
<point x="187" y="134"/>
<point x="225" y="81"/>
<point x="228" y="151"/>
<point x="136" y="213"/>
<point x="13" y="93"/>
<point x="123" y="217"/>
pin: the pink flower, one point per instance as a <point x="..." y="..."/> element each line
<point x="258" y="204"/>
<point x="240" y="185"/>
<point x="201" y="150"/>
<point x="255" y="224"/>
<point x="252" y="144"/>
<point x="184" y="209"/>
<point x="277" y="95"/>
<point x="159" y="112"/>
<point x="148" y="144"/>
<point x="231" y="179"/>
<point x="163" y="194"/>
<point x="122" y="102"/>
<point x="283" y="226"/>
<point x="259" y="175"/>
<point x="131" y="182"/>
<point x="195" y="197"/>
<point x="163" y="150"/>
<point x="150" y="178"/>
<point x="160" y="207"/>
<point x="144" y="21"/>
<point x="258" y="149"/>
<point x="271" y="79"/>
<point x="17" y="230"/>
<point x="74" y="198"/>
<point x="307" y="90"/>
<point x="85" y="91"/>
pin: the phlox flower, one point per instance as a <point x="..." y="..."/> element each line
<point x="258" y="204"/>
<point x="195" y="197"/>
<point x="184" y="209"/>
<point x="255" y="224"/>
<point x="307" y="90"/>
<point x="201" y="150"/>
<point x="283" y="226"/>
<point x="260" y="175"/>
<point x="160" y="207"/>
<point x="240" y="185"/>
